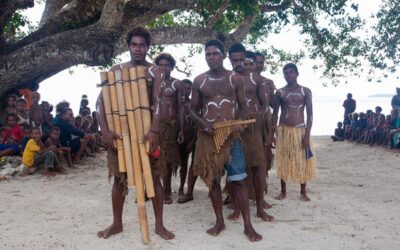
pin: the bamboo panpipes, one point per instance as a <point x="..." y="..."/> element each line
<point x="127" y="110"/>
<point x="224" y="129"/>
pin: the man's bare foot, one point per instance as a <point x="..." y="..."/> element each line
<point x="304" y="197"/>
<point x="185" y="198"/>
<point x="62" y="170"/>
<point x="164" y="233"/>
<point x="168" y="200"/>
<point x="281" y="196"/>
<point x="216" y="229"/>
<point x="252" y="235"/>
<point x="47" y="173"/>
<point x="231" y="206"/>
<point x="264" y="216"/>
<point x="234" y="216"/>
<point x="78" y="162"/>
<point x="109" y="231"/>
<point x="266" y="205"/>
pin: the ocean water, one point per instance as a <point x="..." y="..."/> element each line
<point x="328" y="111"/>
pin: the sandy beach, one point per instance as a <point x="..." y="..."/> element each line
<point x="355" y="204"/>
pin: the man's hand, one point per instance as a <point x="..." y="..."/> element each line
<point x="238" y="128"/>
<point x="268" y="142"/>
<point x="153" y="139"/>
<point x="108" y="138"/>
<point x="305" y="141"/>
<point x="181" y="137"/>
<point x="207" y="127"/>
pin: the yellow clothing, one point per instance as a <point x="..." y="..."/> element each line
<point x="31" y="149"/>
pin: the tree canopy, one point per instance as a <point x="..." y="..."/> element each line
<point x="92" y="32"/>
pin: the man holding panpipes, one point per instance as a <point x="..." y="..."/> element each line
<point x="294" y="157"/>
<point x="216" y="96"/>
<point x="252" y="136"/>
<point x="138" y="41"/>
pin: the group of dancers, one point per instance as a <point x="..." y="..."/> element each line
<point x="184" y="115"/>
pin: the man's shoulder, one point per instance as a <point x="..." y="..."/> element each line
<point x="200" y="78"/>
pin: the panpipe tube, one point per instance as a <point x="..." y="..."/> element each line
<point x="117" y="124"/>
<point x="124" y="127"/>
<point x="144" y="101"/>
<point x="105" y="90"/>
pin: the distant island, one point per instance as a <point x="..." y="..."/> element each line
<point x="382" y="95"/>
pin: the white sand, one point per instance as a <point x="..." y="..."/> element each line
<point x="355" y="204"/>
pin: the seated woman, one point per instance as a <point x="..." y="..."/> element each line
<point x="77" y="144"/>
<point x="10" y="136"/>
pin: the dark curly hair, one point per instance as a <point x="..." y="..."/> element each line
<point x="290" y="66"/>
<point x="167" y="57"/>
<point x="139" y="31"/>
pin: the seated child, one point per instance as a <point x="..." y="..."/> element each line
<point x="35" y="154"/>
<point x="354" y="126"/>
<point x="10" y="136"/>
<point x="27" y="135"/>
<point x="35" y="111"/>
<point x="53" y="139"/>
<point x="378" y="131"/>
<point x="339" y="133"/>
<point x="386" y="130"/>
<point x="11" y="106"/>
<point x="348" y="128"/>
<point x="23" y="116"/>
<point x="46" y="120"/>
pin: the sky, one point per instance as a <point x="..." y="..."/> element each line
<point x="71" y="86"/>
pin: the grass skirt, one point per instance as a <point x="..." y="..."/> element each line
<point x="292" y="164"/>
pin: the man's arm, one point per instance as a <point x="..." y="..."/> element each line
<point x="309" y="109"/>
<point x="181" y="112"/>
<point x="69" y="128"/>
<point x="153" y="134"/>
<point x="276" y="109"/>
<point x="195" y="106"/>
<point x="107" y="136"/>
<point x="241" y="97"/>
<point x="393" y="102"/>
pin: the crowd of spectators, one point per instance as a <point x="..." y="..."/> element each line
<point x="32" y="140"/>
<point x="370" y="127"/>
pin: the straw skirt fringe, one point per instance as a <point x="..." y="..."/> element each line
<point x="291" y="157"/>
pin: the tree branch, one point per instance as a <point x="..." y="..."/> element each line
<point x="93" y="45"/>
<point x="315" y="31"/>
<point x="8" y="7"/>
<point x="76" y="14"/>
<point x="275" y="8"/>
<point x="214" y="19"/>
<point x="243" y="29"/>
<point x="112" y="13"/>
<point x="51" y="8"/>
